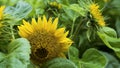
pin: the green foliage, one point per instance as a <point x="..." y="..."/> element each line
<point x="8" y="2"/>
<point x="109" y="31"/>
<point x="112" y="62"/>
<point x="76" y="8"/>
<point x="38" y="7"/>
<point x="73" y="55"/>
<point x="21" y="10"/>
<point x="93" y="46"/>
<point x="59" y="63"/>
<point x="115" y="7"/>
<point x="17" y="56"/>
<point x="71" y="14"/>
<point x="110" y="41"/>
<point x="91" y="57"/>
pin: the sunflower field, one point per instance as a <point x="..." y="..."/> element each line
<point x="59" y="33"/>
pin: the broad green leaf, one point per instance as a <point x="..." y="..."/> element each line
<point x="112" y="61"/>
<point x="70" y="13"/>
<point x="78" y="9"/>
<point x="109" y="31"/>
<point x="17" y="56"/>
<point x="59" y="63"/>
<point x="110" y="42"/>
<point x="21" y="10"/>
<point x="39" y="7"/>
<point x="93" y="58"/>
<point x="73" y="11"/>
<point x="73" y="55"/>
<point x="38" y="3"/>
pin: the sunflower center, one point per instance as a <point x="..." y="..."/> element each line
<point x="45" y="46"/>
<point x="41" y="52"/>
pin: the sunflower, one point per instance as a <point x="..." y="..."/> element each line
<point x="47" y="42"/>
<point x="1" y="11"/>
<point x="55" y="4"/>
<point x="95" y="12"/>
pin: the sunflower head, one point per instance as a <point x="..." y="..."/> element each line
<point x="47" y="42"/>
<point x="55" y="4"/>
<point x="95" y="12"/>
<point x="1" y="11"/>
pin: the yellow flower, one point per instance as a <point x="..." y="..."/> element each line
<point x="1" y="11"/>
<point x="55" y="4"/>
<point x="95" y="12"/>
<point x="47" y="42"/>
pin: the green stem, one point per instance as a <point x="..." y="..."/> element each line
<point x="12" y="33"/>
<point x="72" y="28"/>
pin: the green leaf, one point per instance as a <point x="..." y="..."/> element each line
<point x="112" y="61"/>
<point x="93" y="58"/>
<point x="78" y="9"/>
<point x="21" y="10"/>
<point x="73" y="11"/>
<point x="39" y="7"/>
<point x="110" y="42"/>
<point x="70" y="13"/>
<point x="109" y="31"/>
<point x="65" y="2"/>
<point x="59" y="63"/>
<point x="73" y="55"/>
<point x="18" y="54"/>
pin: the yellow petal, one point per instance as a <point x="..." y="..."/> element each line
<point x="59" y="32"/>
<point x="54" y="25"/>
<point x="1" y="11"/>
<point x="22" y="29"/>
<point x="62" y="55"/>
<point x="40" y="23"/>
<point x="28" y="26"/>
<point x="23" y="34"/>
<point x="66" y="40"/>
<point x="34" y="24"/>
<point x="49" y="24"/>
<point x="45" y="22"/>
